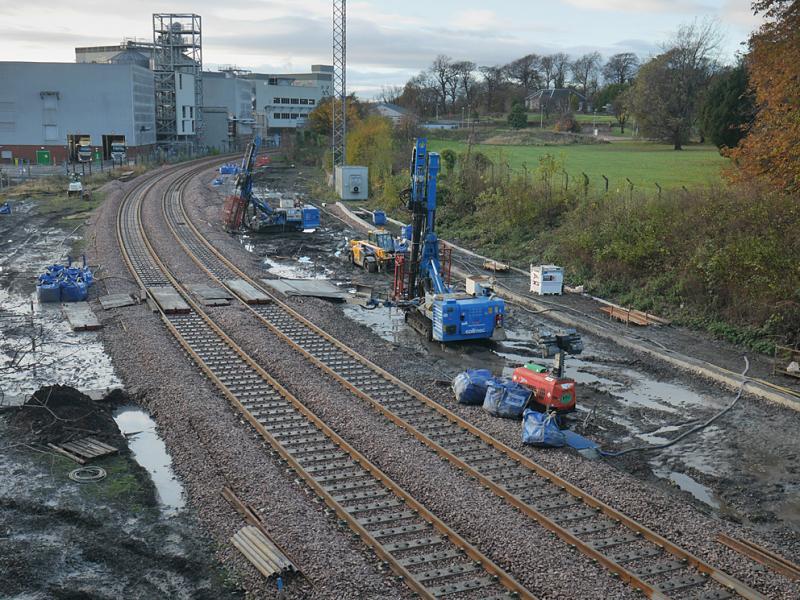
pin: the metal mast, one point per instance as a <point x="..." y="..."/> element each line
<point x="339" y="114"/>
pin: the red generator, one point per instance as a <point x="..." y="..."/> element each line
<point x="550" y="393"/>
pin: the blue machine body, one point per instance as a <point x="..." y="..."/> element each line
<point x="266" y="216"/>
<point x="455" y="316"/>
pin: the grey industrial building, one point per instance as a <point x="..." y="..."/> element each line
<point x="41" y="104"/>
<point x="110" y="91"/>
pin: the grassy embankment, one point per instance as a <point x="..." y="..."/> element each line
<point x="703" y="253"/>
<point x="644" y="163"/>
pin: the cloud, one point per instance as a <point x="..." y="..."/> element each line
<point x="647" y="6"/>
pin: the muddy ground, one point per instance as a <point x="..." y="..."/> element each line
<point x="127" y="536"/>
<point x="742" y="468"/>
<point x="107" y="539"/>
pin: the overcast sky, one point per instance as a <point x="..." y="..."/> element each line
<point x="388" y="41"/>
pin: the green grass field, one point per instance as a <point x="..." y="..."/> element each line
<point x="644" y="163"/>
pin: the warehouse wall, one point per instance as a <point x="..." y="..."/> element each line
<point x="41" y="103"/>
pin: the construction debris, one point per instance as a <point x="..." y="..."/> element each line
<point x="255" y="542"/>
<point x="493" y="265"/>
<point x="260" y="551"/>
<point x="636" y="317"/>
<point x="84" y="449"/>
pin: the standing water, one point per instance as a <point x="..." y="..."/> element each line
<point x="150" y="452"/>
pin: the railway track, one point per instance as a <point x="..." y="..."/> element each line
<point x="628" y="549"/>
<point x="430" y="557"/>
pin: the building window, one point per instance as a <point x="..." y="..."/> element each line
<point x="284" y="100"/>
<point x="180" y="81"/>
<point x="191" y="112"/>
<point x="285" y="116"/>
<point x="276" y="115"/>
<point x="272" y="81"/>
<point x="183" y="126"/>
<point x="295" y="115"/>
<point x="183" y="110"/>
<point x="303" y="101"/>
<point x="311" y="101"/>
<point x="276" y="100"/>
<point x="295" y="100"/>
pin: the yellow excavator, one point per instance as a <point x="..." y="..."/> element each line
<point x="374" y="254"/>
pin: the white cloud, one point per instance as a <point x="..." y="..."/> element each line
<point x="629" y="6"/>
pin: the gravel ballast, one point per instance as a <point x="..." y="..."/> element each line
<point x="211" y="447"/>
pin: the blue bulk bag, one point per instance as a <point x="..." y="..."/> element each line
<point x="539" y="429"/>
<point x="48" y="289"/>
<point x="73" y="290"/>
<point x="470" y="386"/>
<point x="379" y="217"/>
<point x="505" y="398"/>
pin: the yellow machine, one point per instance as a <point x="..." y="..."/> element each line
<point x="376" y="253"/>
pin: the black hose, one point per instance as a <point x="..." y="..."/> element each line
<point x="690" y="431"/>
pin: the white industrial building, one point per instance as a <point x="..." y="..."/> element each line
<point x="41" y="104"/>
<point x="287" y="100"/>
<point x="111" y="94"/>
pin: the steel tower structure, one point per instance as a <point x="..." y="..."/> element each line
<point x="339" y="114"/>
<point x="177" y="49"/>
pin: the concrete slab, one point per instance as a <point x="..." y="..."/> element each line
<point x="209" y="295"/>
<point x="317" y="288"/>
<point x="208" y="292"/>
<point x="80" y="316"/>
<point x="117" y="301"/>
<point x="169" y="300"/>
<point x="247" y="292"/>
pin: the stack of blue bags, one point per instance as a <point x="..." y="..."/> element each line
<point x="503" y="397"/>
<point x="65" y="283"/>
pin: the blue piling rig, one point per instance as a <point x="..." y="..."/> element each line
<point x="432" y="307"/>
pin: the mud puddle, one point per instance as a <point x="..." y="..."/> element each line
<point x="149" y="450"/>
<point x="37" y="346"/>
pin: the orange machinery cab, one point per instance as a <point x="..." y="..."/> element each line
<point x="549" y="392"/>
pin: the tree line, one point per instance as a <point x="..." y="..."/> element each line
<point x="449" y="85"/>
<point x="681" y="92"/>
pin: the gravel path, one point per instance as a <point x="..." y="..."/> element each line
<point x="212" y="447"/>
<point x="665" y="513"/>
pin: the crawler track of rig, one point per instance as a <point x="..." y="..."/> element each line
<point x="432" y="559"/>
<point x="638" y="555"/>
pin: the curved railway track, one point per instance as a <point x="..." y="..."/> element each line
<point x="431" y="558"/>
<point x="628" y="549"/>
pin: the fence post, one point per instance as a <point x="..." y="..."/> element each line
<point x="659" y="190"/>
<point x="566" y="179"/>
<point x="630" y="183"/>
<point x="585" y="184"/>
<point x="606" y="178"/>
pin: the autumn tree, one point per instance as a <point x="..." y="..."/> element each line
<point x="770" y="149"/>
<point x="494" y="85"/>
<point x="320" y="119"/>
<point x="668" y="90"/>
<point x="620" y="68"/>
<point x="727" y="108"/>
<point x="369" y="143"/>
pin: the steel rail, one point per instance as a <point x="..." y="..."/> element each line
<point x="543" y="492"/>
<point x="355" y="489"/>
